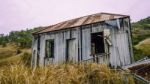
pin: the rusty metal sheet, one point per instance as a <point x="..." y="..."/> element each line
<point x="81" y="21"/>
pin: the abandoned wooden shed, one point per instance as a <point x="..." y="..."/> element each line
<point x="105" y="36"/>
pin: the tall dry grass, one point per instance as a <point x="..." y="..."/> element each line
<point x="16" y="70"/>
<point x="63" y="74"/>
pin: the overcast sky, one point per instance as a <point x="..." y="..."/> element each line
<point x="22" y="14"/>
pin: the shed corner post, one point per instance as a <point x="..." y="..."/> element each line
<point x="131" y="42"/>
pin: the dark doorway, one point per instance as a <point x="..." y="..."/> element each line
<point x="97" y="43"/>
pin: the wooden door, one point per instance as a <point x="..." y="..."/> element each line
<point x="70" y="51"/>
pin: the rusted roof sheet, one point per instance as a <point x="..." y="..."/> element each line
<point x="81" y="21"/>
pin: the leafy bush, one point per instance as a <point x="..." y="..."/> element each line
<point x="138" y="54"/>
<point x="140" y="32"/>
<point x="21" y="38"/>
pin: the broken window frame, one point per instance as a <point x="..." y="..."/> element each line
<point x="95" y="52"/>
<point x="49" y="48"/>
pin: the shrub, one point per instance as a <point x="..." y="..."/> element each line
<point x="138" y="54"/>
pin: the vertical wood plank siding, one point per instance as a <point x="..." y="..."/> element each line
<point x="86" y="43"/>
<point x="120" y="54"/>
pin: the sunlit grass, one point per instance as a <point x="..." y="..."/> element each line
<point x="144" y="46"/>
<point x="9" y="55"/>
<point x="62" y="74"/>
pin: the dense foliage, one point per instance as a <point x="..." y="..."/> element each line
<point x="21" y="38"/>
<point x="141" y="30"/>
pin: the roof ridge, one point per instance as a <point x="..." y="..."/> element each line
<point x="77" y="20"/>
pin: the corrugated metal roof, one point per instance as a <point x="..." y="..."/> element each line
<point x="81" y="21"/>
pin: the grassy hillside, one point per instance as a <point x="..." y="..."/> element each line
<point x="144" y="46"/>
<point x="141" y="35"/>
<point x="7" y="52"/>
<point x="12" y="55"/>
<point x="141" y="30"/>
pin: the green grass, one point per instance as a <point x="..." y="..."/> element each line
<point x="139" y="35"/>
<point x="144" y="46"/>
<point x="142" y="49"/>
<point x="141" y="32"/>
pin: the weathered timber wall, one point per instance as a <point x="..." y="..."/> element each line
<point x="120" y="52"/>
